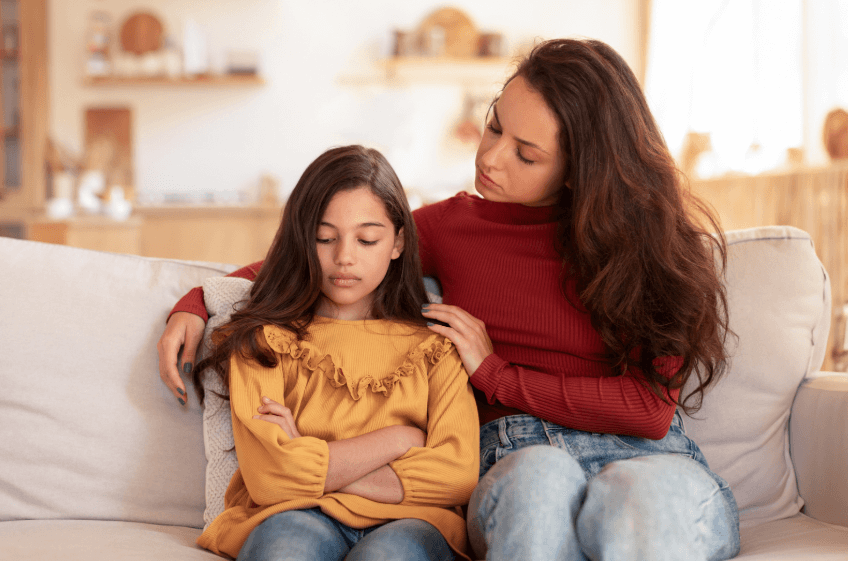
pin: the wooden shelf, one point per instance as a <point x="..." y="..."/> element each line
<point x="202" y="80"/>
<point x="471" y="71"/>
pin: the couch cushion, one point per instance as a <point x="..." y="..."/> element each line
<point x="95" y="540"/>
<point x="87" y="428"/>
<point x="779" y="304"/>
<point x="798" y="538"/>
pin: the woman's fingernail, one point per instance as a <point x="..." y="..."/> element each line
<point x="180" y="391"/>
<point x="425" y="306"/>
<point x="266" y="400"/>
<point x="187" y="368"/>
<point x="181" y="400"/>
<point x="429" y="323"/>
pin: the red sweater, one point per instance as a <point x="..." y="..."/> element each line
<point x="497" y="261"/>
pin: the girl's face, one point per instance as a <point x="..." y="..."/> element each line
<point x="356" y="243"/>
<point x="519" y="159"/>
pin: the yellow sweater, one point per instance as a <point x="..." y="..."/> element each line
<point x="350" y="378"/>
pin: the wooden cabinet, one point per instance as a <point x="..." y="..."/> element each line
<point x="23" y="119"/>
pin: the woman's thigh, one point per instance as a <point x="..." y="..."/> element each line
<point x="402" y="540"/>
<point x="296" y="534"/>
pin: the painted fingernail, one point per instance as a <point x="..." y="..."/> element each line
<point x="180" y="391"/>
<point x="187" y="368"/>
<point x="181" y="400"/>
<point x="429" y="323"/>
<point x="425" y="306"/>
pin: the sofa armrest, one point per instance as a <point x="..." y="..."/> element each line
<point x="818" y="439"/>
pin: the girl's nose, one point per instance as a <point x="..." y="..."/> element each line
<point x="345" y="252"/>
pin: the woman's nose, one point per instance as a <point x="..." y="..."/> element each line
<point x="492" y="153"/>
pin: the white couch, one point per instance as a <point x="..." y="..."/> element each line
<point x="99" y="461"/>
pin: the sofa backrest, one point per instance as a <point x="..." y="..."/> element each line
<point x="779" y="309"/>
<point x="87" y="428"/>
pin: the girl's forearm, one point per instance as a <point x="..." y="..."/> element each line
<point x="381" y="485"/>
<point x="354" y="458"/>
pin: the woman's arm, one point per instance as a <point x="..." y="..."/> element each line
<point x="614" y="405"/>
<point x="184" y="330"/>
<point x="445" y="471"/>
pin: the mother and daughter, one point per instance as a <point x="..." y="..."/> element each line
<point x="581" y="293"/>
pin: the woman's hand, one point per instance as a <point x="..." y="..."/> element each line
<point x="183" y="330"/>
<point x="467" y="333"/>
<point x="279" y="414"/>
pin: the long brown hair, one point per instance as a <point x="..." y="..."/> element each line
<point x="639" y="245"/>
<point x="287" y="288"/>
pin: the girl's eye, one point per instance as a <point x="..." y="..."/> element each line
<point x="522" y="158"/>
<point x="323" y="240"/>
<point x="366" y="242"/>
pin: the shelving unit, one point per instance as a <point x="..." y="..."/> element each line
<point x="203" y="80"/>
<point x="403" y="71"/>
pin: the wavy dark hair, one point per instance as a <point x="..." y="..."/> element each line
<point x="648" y="257"/>
<point x="288" y="286"/>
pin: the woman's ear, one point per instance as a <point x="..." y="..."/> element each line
<point x="398" y="249"/>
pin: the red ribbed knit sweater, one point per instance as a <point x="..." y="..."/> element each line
<point x="497" y="261"/>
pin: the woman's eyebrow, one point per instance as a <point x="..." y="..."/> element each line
<point x="519" y="140"/>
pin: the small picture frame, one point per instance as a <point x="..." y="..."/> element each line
<point x="10" y="38"/>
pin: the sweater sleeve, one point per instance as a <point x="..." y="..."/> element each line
<point x="614" y="405"/>
<point x="192" y="301"/>
<point x="275" y="468"/>
<point x="445" y="471"/>
<point x="426" y="219"/>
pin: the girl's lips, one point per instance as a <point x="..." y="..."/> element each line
<point x="344" y="280"/>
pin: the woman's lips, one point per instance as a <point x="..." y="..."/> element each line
<point x="486" y="180"/>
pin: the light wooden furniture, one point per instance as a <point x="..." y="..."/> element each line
<point x="237" y="235"/>
<point x="24" y="189"/>
<point x="813" y="199"/>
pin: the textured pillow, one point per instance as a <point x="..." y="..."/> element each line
<point x="779" y="305"/>
<point x="222" y="297"/>
<point x="87" y="428"/>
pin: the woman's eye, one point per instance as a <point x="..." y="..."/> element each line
<point x="493" y="129"/>
<point x="323" y="240"/>
<point x="522" y="158"/>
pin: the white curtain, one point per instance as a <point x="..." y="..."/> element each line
<point x="733" y="70"/>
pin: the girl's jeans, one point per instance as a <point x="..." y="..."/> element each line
<point x="547" y="492"/>
<point x="311" y="534"/>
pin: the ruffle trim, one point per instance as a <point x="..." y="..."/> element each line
<point x="284" y="342"/>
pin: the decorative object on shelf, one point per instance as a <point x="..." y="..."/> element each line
<point x="447" y="32"/>
<point x="98" y="44"/>
<point x="835" y="134"/>
<point x="10" y="39"/>
<point x="142" y="33"/>
<point x="243" y="63"/>
<point x="269" y="188"/>
<point x="195" y="49"/>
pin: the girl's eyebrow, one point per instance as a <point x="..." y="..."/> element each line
<point x="363" y="225"/>
<point x="519" y="140"/>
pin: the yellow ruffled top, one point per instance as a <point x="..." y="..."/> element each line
<point x="346" y="379"/>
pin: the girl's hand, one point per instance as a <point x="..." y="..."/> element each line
<point x="467" y="333"/>
<point x="279" y="414"/>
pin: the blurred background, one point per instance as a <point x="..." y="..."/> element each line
<point x="176" y="128"/>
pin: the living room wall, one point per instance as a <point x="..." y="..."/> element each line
<point x="188" y="141"/>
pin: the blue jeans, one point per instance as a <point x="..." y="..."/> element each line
<point x="547" y="492"/>
<point x="307" y="535"/>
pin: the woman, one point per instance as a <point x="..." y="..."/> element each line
<point x="581" y="294"/>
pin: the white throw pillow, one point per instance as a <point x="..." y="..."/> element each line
<point x="222" y="295"/>
<point x="779" y="303"/>
<point x="87" y="428"/>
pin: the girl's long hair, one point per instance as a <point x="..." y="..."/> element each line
<point x="288" y="286"/>
<point x="647" y="256"/>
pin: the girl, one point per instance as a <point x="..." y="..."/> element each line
<point x="354" y="425"/>
<point x="582" y="293"/>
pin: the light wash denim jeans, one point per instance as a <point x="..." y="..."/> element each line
<point x="311" y="535"/>
<point x="547" y="493"/>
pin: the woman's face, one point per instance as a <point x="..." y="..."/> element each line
<point x="356" y="243"/>
<point x="519" y="159"/>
